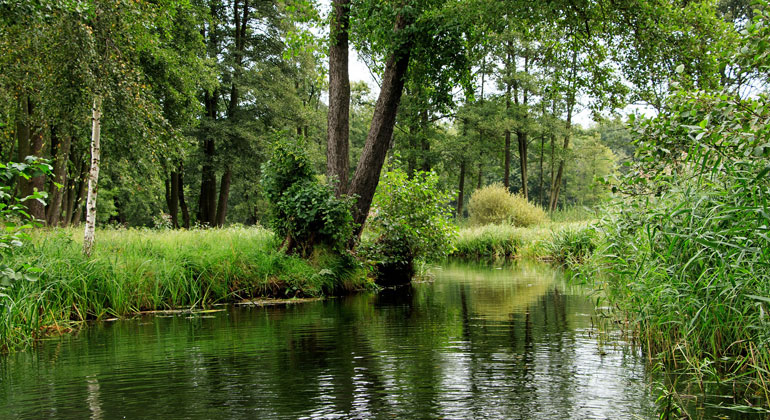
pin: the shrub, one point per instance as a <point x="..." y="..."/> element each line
<point x="304" y="211"/>
<point x="493" y="204"/>
<point x="410" y="220"/>
<point x="14" y="219"/>
<point x="525" y="214"/>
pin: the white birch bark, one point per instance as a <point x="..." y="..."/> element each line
<point x="93" y="177"/>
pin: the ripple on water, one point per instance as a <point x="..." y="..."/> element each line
<point x="475" y="343"/>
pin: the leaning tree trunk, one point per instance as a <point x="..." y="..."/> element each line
<point x="93" y="177"/>
<point x="338" y="117"/>
<point x="380" y="132"/>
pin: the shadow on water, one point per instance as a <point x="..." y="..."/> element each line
<point x="512" y="343"/>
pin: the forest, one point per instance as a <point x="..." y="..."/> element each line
<point x="178" y="154"/>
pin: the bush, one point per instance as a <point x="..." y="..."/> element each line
<point x="493" y="204"/>
<point x="526" y="214"/>
<point x="14" y="219"/>
<point x="410" y="220"/>
<point x="304" y="211"/>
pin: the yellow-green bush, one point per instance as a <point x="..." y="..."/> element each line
<point x="493" y="204"/>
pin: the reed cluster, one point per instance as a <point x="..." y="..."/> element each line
<point x="558" y="242"/>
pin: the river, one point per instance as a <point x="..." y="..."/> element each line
<point x="473" y="342"/>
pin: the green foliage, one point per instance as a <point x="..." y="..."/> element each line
<point x="304" y="210"/>
<point x="15" y="220"/>
<point x="493" y="204"/>
<point x="688" y="241"/>
<point x="409" y="220"/>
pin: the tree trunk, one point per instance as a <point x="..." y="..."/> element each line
<point x="521" y="140"/>
<point x="570" y="105"/>
<point x="507" y="163"/>
<point x="77" y="203"/>
<point x="224" y="194"/>
<point x="542" y="147"/>
<point x="30" y="143"/>
<point x="555" y="189"/>
<point x="373" y="156"/>
<point x="61" y="151"/>
<point x="23" y="137"/>
<point x="461" y="190"/>
<point x="37" y="183"/>
<point x="480" y="180"/>
<point x="172" y="198"/>
<point x="93" y="178"/>
<point x="182" y="202"/>
<point x="337" y="154"/>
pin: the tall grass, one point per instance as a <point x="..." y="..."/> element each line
<point x="550" y="241"/>
<point x="693" y="272"/>
<point x="136" y="270"/>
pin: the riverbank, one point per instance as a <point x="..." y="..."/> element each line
<point x="135" y="270"/>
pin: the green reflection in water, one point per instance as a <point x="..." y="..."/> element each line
<point x="476" y="342"/>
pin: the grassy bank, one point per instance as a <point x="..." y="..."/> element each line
<point x="136" y="270"/>
<point x="562" y="242"/>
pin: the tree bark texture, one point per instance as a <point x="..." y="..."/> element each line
<point x="30" y="142"/>
<point x="338" y="117"/>
<point x="61" y="151"/>
<point x="81" y="193"/>
<point x="182" y="202"/>
<point x="93" y="178"/>
<point x="224" y="193"/>
<point x="172" y="198"/>
<point x="375" y="150"/>
<point x="461" y="190"/>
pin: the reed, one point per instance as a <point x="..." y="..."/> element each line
<point x="136" y="270"/>
<point x="548" y="241"/>
<point x="693" y="273"/>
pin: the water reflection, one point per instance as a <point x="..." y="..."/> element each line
<point x="475" y="343"/>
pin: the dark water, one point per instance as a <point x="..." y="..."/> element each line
<point x="514" y="343"/>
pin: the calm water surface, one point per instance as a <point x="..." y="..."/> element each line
<point x="512" y="343"/>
